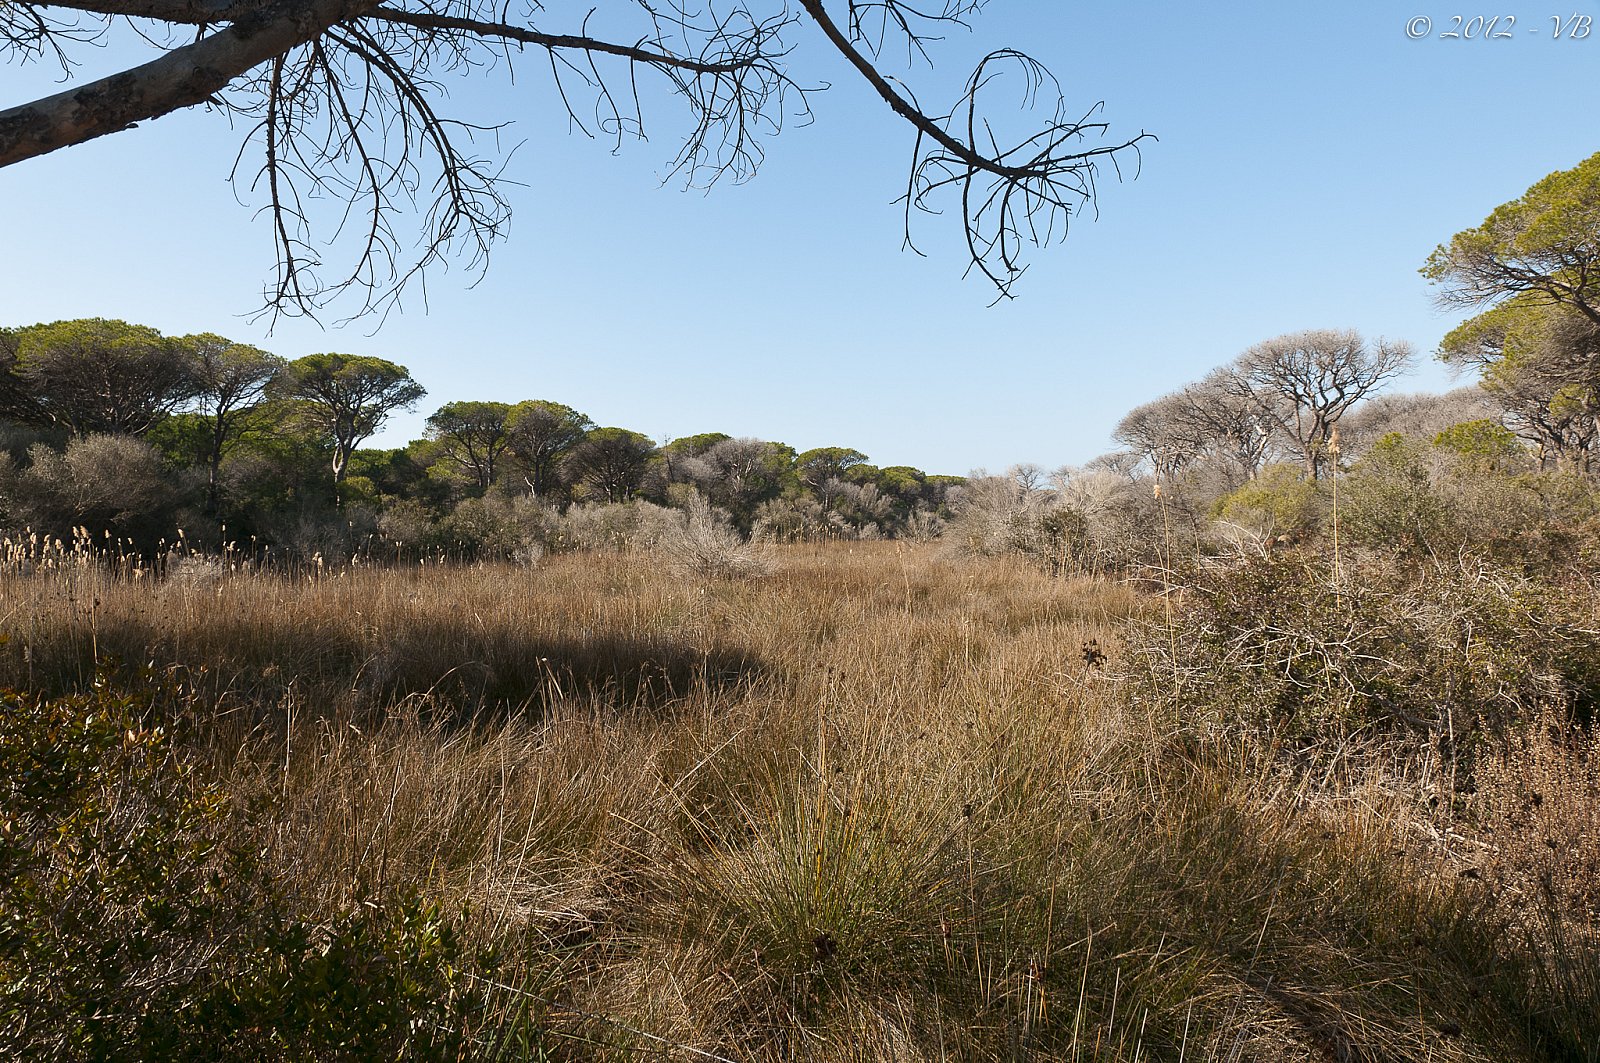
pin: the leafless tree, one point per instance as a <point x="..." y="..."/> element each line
<point x="1318" y="375"/>
<point x="1029" y="477"/>
<point x="1550" y="406"/>
<point x="1123" y="463"/>
<point x="101" y="481"/>
<point x="1237" y="421"/>
<point x="1160" y="434"/>
<point x="343" y="104"/>
<point x="1221" y="421"/>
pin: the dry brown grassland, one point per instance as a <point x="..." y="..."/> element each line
<point x="877" y="805"/>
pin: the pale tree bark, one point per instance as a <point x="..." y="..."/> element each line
<point x="181" y="78"/>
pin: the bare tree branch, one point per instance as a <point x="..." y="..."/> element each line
<point x="638" y="53"/>
<point x="177" y="12"/>
<point x="343" y="99"/>
<point x="1024" y="194"/>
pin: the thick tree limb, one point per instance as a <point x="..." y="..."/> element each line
<point x="181" y="78"/>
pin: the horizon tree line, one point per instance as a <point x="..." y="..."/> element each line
<point x="117" y="428"/>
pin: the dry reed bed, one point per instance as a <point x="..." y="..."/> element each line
<point x="876" y="806"/>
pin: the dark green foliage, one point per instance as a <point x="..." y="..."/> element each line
<point x="263" y="454"/>
<point x="1545" y="244"/>
<point x="130" y="931"/>
<point x="821" y="464"/>
<point x="542" y="435"/>
<point x="346" y="397"/>
<point x="182" y="439"/>
<point x="276" y="478"/>
<point x="689" y="446"/>
<point x="610" y="462"/>
<point x="230" y="383"/>
<point x="97" y="375"/>
<point x="401" y="472"/>
<point x="471" y="436"/>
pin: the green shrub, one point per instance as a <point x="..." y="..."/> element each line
<point x="1488" y="443"/>
<point x="1281" y="501"/>
<point x="129" y="931"/>
<point x="1470" y="491"/>
<point x="1389" y="501"/>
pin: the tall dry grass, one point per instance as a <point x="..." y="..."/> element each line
<point x="875" y="805"/>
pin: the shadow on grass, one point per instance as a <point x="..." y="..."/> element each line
<point x="451" y="666"/>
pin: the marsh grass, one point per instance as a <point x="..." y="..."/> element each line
<point x="875" y="805"/>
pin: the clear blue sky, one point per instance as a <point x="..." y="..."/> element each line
<point x="1310" y="157"/>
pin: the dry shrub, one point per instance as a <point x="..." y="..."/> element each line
<point x="1092" y="521"/>
<point x="1537" y="809"/>
<point x="1443" y="651"/>
<point x="105" y="482"/>
<point x="612" y="526"/>
<point x="491" y="528"/>
<point x="792" y="520"/>
<point x="993" y="516"/>
<point x="1120" y="519"/>
<point x="706" y="544"/>
<point x="1538" y="802"/>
